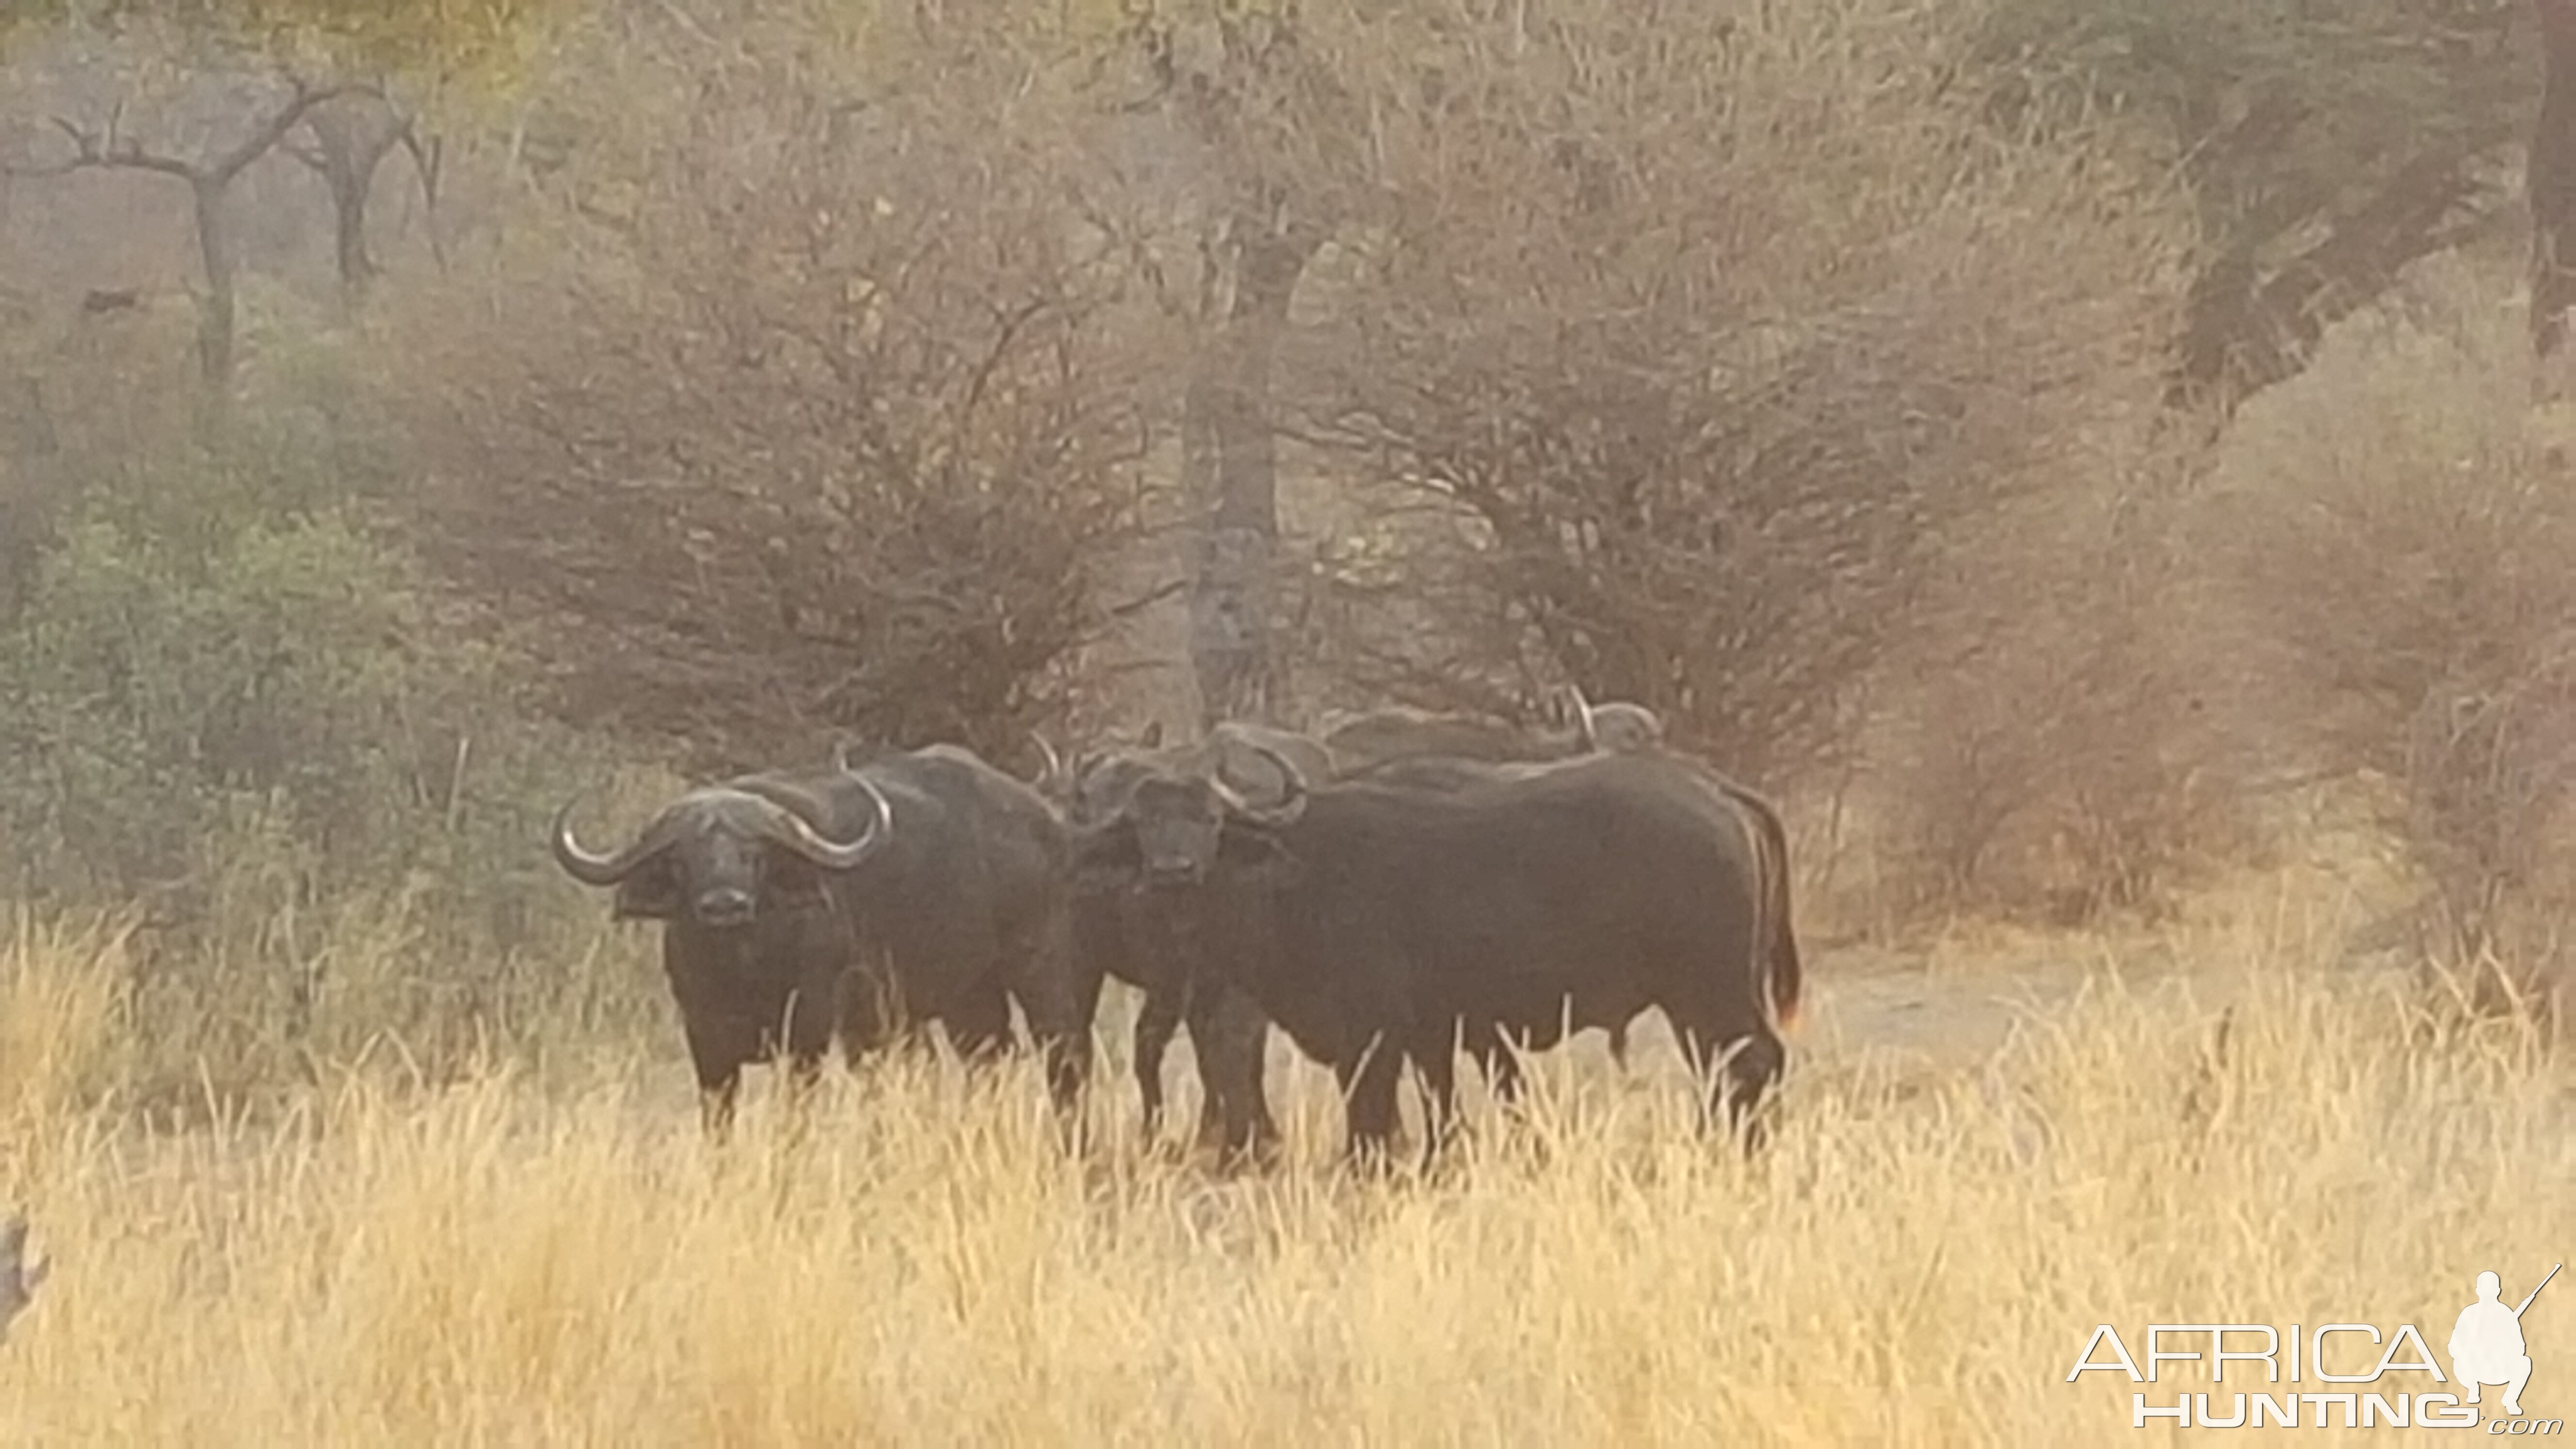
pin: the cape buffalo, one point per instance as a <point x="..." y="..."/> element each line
<point x="863" y="901"/>
<point x="1389" y="918"/>
<point x="1578" y="727"/>
<point x="1776" y="937"/>
<point x="1126" y="929"/>
<point x="1359" y="742"/>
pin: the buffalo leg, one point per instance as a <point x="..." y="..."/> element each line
<point x="804" y="1074"/>
<point x="804" y="1069"/>
<point x="980" y="1028"/>
<point x="716" y="1101"/>
<point x="1157" y="1020"/>
<point x="1752" y="1062"/>
<point x="1230" y="1037"/>
<point x="1435" y="1056"/>
<point x="1208" y="1044"/>
<point x="1044" y="981"/>
<point x="869" y="1011"/>
<point x="1368" y="1090"/>
<point x="1502" y="1066"/>
<point x="811" y="1015"/>
<point x="717" y="1051"/>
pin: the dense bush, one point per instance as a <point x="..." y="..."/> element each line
<point x="831" y="425"/>
<point x="1698" y="411"/>
<point x="230" y="701"/>
<point x="2402" y="543"/>
<point x="796" y="371"/>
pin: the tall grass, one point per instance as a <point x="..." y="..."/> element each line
<point x="515" y="1259"/>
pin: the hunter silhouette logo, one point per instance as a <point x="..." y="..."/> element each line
<point x="2273" y="1364"/>
<point x="2487" y="1346"/>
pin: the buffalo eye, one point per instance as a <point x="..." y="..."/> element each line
<point x="1105" y="858"/>
<point x="1257" y="853"/>
<point x="787" y="881"/>
<point x="649" y="893"/>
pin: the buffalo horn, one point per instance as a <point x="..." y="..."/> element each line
<point x="1053" y="775"/>
<point x="1583" y="717"/>
<point x="1292" y="797"/>
<point x="601" y="870"/>
<point x="797" y="835"/>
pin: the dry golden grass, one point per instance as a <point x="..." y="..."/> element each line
<point x="505" y="1261"/>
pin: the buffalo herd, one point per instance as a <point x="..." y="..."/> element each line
<point x="1390" y="890"/>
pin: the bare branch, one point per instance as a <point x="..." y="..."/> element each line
<point x="112" y="151"/>
<point x="261" y="140"/>
<point x="428" y="159"/>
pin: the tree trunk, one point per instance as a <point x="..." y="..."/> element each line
<point x="2551" y="182"/>
<point x="29" y="480"/>
<point x="349" y="218"/>
<point x="352" y="134"/>
<point x="1231" y="458"/>
<point x="215" y="308"/>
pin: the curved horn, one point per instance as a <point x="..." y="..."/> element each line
<point x="601" y="870"/>
<point x="1583" y="722"/>
<point x="1292" y="798"/>
<point x="1053" y="775"/>
<point x="796" y="834"/>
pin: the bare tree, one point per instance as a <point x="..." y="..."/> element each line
<point x="1260" y="114"/>
<point x="828" y="429"/>
<point x="352" y="134"/>
<point x="2551" y="182"/>
<point x="209" y="178"/>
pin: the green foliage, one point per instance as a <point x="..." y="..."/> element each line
<point x="218" y="648"/>
<point x="232" y="709"/>
<point x="450" y="38"/>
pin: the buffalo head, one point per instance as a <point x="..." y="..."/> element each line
<point x="719" y="855"/>
<point x="1614" y="728"/>
<point x="1152" y="824"/>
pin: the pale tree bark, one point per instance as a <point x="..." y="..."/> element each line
<point x="29" y="476"/>
<point x="2551" y="183"/>
<point x="352" y="135"/>
<point x="1243" y="90"/>
<point x="1232" y="459"/>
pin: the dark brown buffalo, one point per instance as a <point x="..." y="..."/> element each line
<point x="1363" y="741"/>
<point x="1578" y="727"/>
<point x="1376" y="922"/>
<point x="862" y="901"/>
<point x="1776" y="935"/>
<point x="1132" y="933"/>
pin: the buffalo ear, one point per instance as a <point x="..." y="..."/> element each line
<point x="788" y="882"/>
<point x="647" y="894"/>
<point x="1105" y="859"/>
